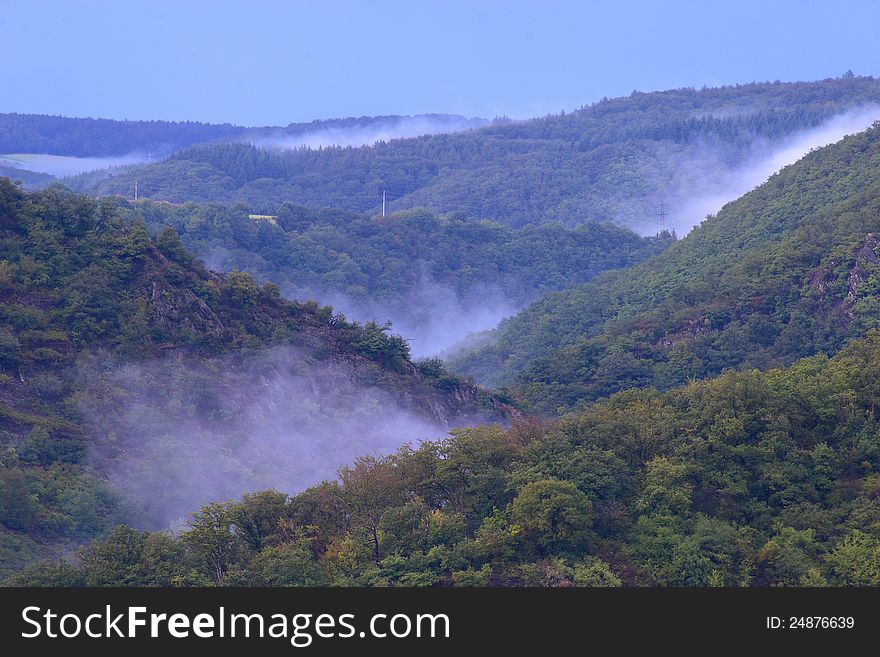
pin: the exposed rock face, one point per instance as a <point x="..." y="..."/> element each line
<point x="466" y="404"/>
<point x="691" y="329"/>
<point x="456" y="403"/>
<point x="858" y="276"/>
<point x="174" y="307"/>
<point x="825" y="280"/>
<point x="826" y="277"/>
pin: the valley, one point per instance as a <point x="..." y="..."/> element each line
<point x="633" y="344"/>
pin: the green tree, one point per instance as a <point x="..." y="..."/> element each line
<point x="212" y="539"/>
<point x="289" y="564"/>
<point x="787" y="558"/>
<point x="371" y="487"/>
<point x="257" y="517"/>
<point x="855" y="560"/>
<point x="554" y="515"/>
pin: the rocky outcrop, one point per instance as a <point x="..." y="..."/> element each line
<point x="858" y="275"/>
<point x="175" y="307"/>
<point x="691" y="329"/>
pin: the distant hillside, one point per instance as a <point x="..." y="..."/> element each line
<point x="359" y="131"/>
<point x="107" y="144"/>
<point x="30" y="180"/>
<point x="87" y="137"/>
<point x="437" y="278"/>
<point x="615" y="160"/>
<point x="136" y="384"/>
<point x="786" y="271"/>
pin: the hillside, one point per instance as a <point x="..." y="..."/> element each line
<point x="615" y="160"/>
<point x="786" y="271"/>
<point x="87" y="137"/>
<point x="749" y="479"/>
<point x="66" y="146"/>
<point x="436" y="278"/>
<point x="30" y="180"/>
<point x="135" y="384"/>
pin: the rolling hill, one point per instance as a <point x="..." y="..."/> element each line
<point x="135" y="384"/>
<point x="437" y="279"/>
<point x="746" y="479"/>
<point x="787" y="271"/>
<point x="615" y="160"/>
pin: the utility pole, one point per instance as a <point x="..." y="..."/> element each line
<point x="383" y="202"/>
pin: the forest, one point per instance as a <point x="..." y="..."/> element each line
<point x="787" y="271"/>
<point x="614" y="160"/>
<point x="202" y="387"/>
<point x="421" y="271"/>
<point x="86" y="295"/>
<point x="761" y="479"/>
<point x="84" y="137"/>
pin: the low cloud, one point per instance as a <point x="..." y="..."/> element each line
<point x="433" y="317"/>
<point x="173" y="434"/>
<point x="706" y="193"/>
<point x="65" y="165"/>
<point x="367" y="134"/>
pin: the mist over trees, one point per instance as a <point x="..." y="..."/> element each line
<point x="436" y="278"/>
<point x="763" y="479"/>
<point x="87" y="137"/>
<point x="785" y="272"/>
<point x="615" y="160"/>
<point x="118" y="351"/>
<point x="694" y="412"/>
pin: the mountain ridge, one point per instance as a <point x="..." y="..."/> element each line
<point x="615" y="160"/>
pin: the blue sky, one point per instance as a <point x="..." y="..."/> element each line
<point x="272" y="62"/>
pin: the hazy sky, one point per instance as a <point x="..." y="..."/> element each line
<point x="273" y="62"/>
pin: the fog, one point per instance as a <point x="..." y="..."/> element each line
<point x="711" y="183"/>
<point x="64" y="165"/>
<point x="173" y="435"/>
<point x="451" y="324"/>
<point x="434" y="318"/>
<point x="368" y="133"/>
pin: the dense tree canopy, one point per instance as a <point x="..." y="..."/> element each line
<point x="786" y="271"/>
<point x="766" y="479"/>
<point x="59" y="135"/>
<point x="698" y="412"/>
<point x="85" y="291"/>
<point x="410" y="266"/>
<point x="615" y="160"/>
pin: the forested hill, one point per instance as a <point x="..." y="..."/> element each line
<point x="786" y="271"/>
<point x="748" y="479"/>
<point x="613" y="160"/>
<point x="86" y="137"/>
<point x="136" y="384"/>
<point x="436" y="278"/>
<point x="30" y="180"/>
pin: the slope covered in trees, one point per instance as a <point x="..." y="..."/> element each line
<point x="122" y="358"/>
<point x="86" y="137"/>
<point x="751" y="478"/>
<point x="30" y="180"/>
<point x="615" y="160"/>
<point x="786" y="271"/>
<point x="430" y="275"/>
<point x="95" y="138"/>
